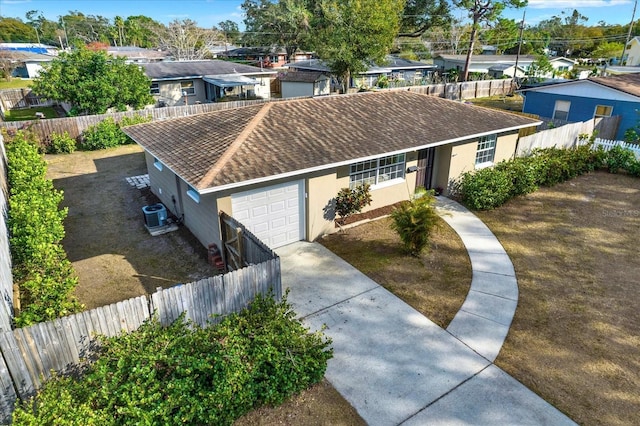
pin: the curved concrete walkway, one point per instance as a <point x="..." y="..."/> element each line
<point x="394" y="365"/>
<point x="485" y="317"/>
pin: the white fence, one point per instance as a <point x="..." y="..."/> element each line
<point x="607" y="144"/>
<point x="567" y="136"/>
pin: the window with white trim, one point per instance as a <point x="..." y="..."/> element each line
<point x="603" y="111"/>
<point x="187" y="88"/>
<point x="486" y="149"/>
<point x="377" y="171"/>
<point x="157" y="164"/>
<point x="155" y="89"/>
<point x="193" y="194"/>
<point x="561" y="110"/>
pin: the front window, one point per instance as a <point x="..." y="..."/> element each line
<point x="187" y="88"/>
<point x="155" y="88"/>
<point x="603" y="111"/>
<point x="486" y="150"/>
<point x="377" y="171"/>
<point x="561" y="110"/>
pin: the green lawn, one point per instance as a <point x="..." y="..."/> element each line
<point x="509" y="103"/>
<point x="29" y="113"/>
<point x="15" y="83"/>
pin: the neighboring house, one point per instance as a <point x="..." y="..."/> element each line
<point x="43" y="49"/>
<point x="28" y="64"/>
<point x="395" y="69"/>
<point x="561" y="66"/>
<point x="264" y="57"/>
<point x="191" y="82"/>
<point x="483" y="64"/>
<point x="582" y="100"/>
<point x="506" y="71"/>
<point x="632" y="52"/>
<point x="313" y="83"/>
<point x="277" y="167"/>
<point x="138" y="55"/>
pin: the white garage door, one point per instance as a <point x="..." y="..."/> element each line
<point x="273" y="214"/>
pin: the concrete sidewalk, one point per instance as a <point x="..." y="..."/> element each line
<point x="397" y="367"/>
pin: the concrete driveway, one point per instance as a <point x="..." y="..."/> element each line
<point x="393" y="364"/>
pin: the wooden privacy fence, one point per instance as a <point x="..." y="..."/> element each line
<point x="240" y="247"/>
<point x="30" y="354"/>
<point x="6" y="277"/>
<point x="467" y="90"/>
<point x="20" y="98"/>
<point x="74" y="126"/>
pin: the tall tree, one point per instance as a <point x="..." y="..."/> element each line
<point x="8" y="63"/>
<point x="81" y="29"/>
<point x="503" y="34"/>
<point x="351" y="35"/>
<point x="186" y="41"/>
<point x="482" y="12"/>
<point x="420" y="15"/>
<point x="118" y="23"/>
<point x="93" y="82"/>
<point x="142" y="31"/>
<point x="284" y="24"/>
<point x="230" y="31"/>
<point x="13" y="30"/>
<point x="35" y="19"/>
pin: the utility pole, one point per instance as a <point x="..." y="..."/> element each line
<point x="633" y="15"/>
<point x="515" y="70"/>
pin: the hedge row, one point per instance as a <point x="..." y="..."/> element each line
<point x="489" y="188"/>
<point x="106" y="134"/>
<point x="44" y="275"/>
<point x="184" y="374"/>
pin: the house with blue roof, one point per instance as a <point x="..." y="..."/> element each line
<point x="592" y="98"/>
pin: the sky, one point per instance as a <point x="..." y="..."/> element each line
<point x="208" y="13"/>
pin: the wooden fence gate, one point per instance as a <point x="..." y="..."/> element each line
<point x="232" y="238"/>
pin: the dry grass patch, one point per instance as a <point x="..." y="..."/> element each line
<point x="435" y="284"/>
<point x="575" y="336"/>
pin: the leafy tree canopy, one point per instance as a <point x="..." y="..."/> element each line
<point x="93" y="82"/>
<point x="483" y="11"/>
<point x="15" y="31"/>
<point x="420" y="15"/>
<point x="351" y="35"/>
<point x="284" y="24"/>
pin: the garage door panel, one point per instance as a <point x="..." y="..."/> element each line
<point x="272" y="214"/>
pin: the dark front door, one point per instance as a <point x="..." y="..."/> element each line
<point x="425" y="168"/>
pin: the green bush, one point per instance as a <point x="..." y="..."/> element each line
<point x="350" y="201"/>
<point x="61" y="144"/>
<point x="484" y="189"/>
<point x="184" y="374"/>
<point x="44" y="276"/>
<point x="619" y="158"/>
<point x="634" y="168"/>
<point x="413" y="221"/>
<point x="523" y="173"/>
<point x="108" y="133"/>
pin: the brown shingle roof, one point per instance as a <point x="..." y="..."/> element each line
<point x="628" y="83"/>
<point x="311" y="133"/>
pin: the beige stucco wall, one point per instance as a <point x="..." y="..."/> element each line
<point x="322" y="188"/>
<point x="453" y="160"/>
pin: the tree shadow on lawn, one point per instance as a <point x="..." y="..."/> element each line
<point x="114" y="255"/>
<point x="574" y="339"/>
